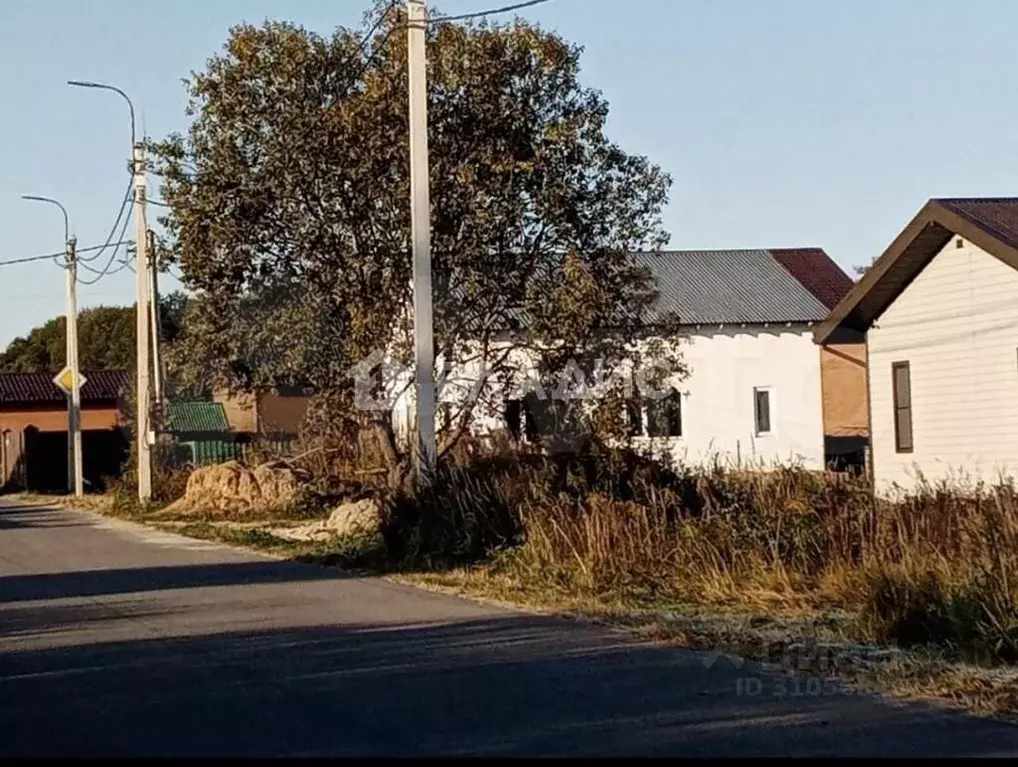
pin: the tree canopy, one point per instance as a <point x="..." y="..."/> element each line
<point x="106" y="339"/>
<point x="289" y="203"/>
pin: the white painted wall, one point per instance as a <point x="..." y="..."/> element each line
<point x="718" y="406"/>
<point x="957" y="326"/>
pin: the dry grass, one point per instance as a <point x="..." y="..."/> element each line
<point x="939" y="567"/>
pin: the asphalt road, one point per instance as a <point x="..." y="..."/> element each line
<point x="119" y="641"/>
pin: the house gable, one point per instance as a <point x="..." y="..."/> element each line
<point x="990" y="224"/>
<point x="954" y="328"/>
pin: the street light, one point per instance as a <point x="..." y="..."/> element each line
<point x="51" y="201"/>
<point x="142" y="424"/>
<point x="75" y="478"/>
<point x="115" y="89"/>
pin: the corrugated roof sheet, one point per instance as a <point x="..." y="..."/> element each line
<point x="196" y="417"/>
<point x="103" y="386"/>
<point x="730" y="286"/>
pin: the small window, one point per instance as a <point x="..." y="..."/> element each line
<point x="762" y="410"/>
<point x="901" y="382"/>
<point x="664" y="416"/>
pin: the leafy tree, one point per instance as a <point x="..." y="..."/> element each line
<point x="289" y="207"/>
<point x="106" y="339"/>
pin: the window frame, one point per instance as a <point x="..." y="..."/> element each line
<point x="771" y="410"/>
<point x="898" y="408"/>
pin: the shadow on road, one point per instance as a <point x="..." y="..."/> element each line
<point x="516" y="685"/>
<point x="92" y="583"/>
<point x="24" y="516"/>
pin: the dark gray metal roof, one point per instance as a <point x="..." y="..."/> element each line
<point x="708" y="287"/>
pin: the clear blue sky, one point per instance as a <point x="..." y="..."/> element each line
<point x="783" y="122"/>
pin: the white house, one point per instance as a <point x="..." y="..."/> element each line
<point x="753" y="394"/>
<point x="939" y="312"/>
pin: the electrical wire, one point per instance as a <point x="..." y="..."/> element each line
<point x="123" y="207"/>
<point x="29" y="259"/>
<point x="478" y="14"/>
<point x="378" y="22"/>
<point x="435" y="20"/>
<point x="61" y="254"/>
<point x="109" y="264"/>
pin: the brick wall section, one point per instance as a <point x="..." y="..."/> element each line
<point x="53" y="419"/>
<point x="13" y="423"/>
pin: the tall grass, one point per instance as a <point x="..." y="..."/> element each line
<point x="936" y="566"/>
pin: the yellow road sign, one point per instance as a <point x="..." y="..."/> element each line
<point x="65" y="380"/>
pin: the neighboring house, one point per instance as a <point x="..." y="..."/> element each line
<point x="273" y="413"/>
<point x="33" y="430"/>
<point x="203" y="432"/>
<point x="939" y="314"/>
<point x="754" y="394"/>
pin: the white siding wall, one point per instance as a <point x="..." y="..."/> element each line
<point x="956" y="325"/>
<point x="718" y="399"/>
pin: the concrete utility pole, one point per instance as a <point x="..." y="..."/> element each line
<point x="420" y="232"/>
<point x="157" y="367"/>
<point x="76" y="479"/>
<point x="142" y="328"/>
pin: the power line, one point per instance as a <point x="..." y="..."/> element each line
<point x="29" y="259"/>
<point x="376" y="25"/>
<point x="113" y="229"/>
<point x="62" y="253"/>
<point x="478" y="14"/>
<point x="106" y="271"/>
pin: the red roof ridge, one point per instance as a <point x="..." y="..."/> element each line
<point x="816" y="271"/>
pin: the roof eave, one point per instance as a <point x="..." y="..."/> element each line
<point x="933" y="213"/>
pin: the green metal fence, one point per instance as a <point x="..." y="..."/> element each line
<point x="212" y="451"/>
<point x="206" y="452"/>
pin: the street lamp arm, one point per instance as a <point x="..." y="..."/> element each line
<point x="51" y="201"/>
<point x="115" y="89"/>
